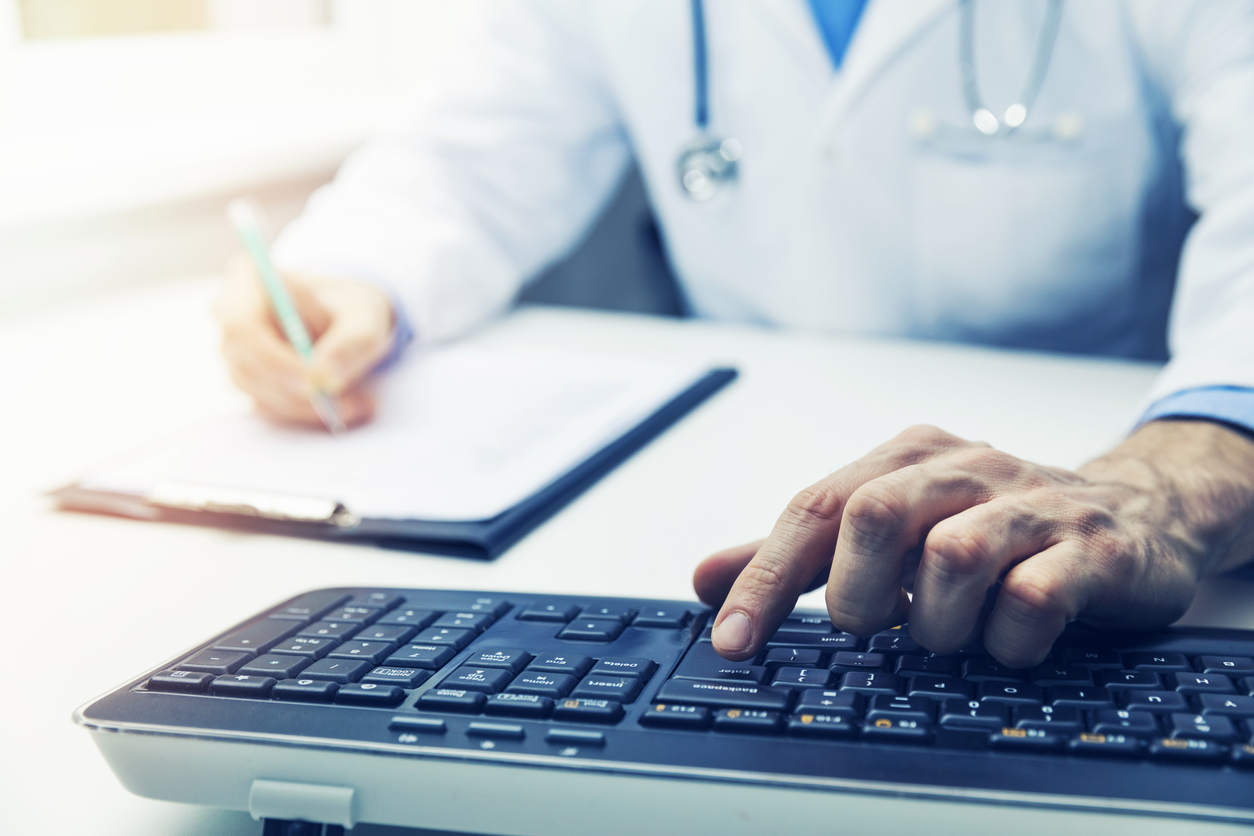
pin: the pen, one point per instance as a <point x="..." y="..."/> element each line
<point x="245" y="216"/>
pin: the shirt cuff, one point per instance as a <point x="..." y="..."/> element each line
<point x="1233" y="405"/>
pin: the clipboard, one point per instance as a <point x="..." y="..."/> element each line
<point x="328" y="518"/>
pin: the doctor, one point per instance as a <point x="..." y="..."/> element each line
<point x="1070" y="177"/>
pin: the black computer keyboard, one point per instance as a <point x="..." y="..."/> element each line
<point x="340" y="688"/>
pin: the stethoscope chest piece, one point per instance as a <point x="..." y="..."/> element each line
<point x="707" y="164"/>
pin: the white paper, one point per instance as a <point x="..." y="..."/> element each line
<point x="462" y="433"/>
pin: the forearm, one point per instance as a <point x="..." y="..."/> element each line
<point x="1192" y="481"/>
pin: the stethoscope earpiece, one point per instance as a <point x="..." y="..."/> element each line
<point x="706" y="164"/>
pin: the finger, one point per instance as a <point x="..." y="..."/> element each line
<point x="354" y="343"/>
<point x="802" y="542"/>
<point x="964" y="555"/>
<point x="714" y="576"/>
<point x="355" y="408"/>
<point x="886" y="520"/>
<point x="314" y="313"/>
<point x="1038" y="598"/>
<point x="267" y="362"/>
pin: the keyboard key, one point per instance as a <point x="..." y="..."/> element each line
<point x="803" y="678"/>
<point x="400" y="677"/>
<point x="510" y="659"/>
<point x="939" y="687"/>
<point x="894" y="641"/>
<point x="259" y="637"/>
<point x="1232" y="665"/>
<point x="620" y="614"/>
<point x="1010" y="694"/>
<point x="1118" y="721"/>
<point x="279" y="667"/>
<point x="476" y="621"/>
<point x="673" y="716"/>
<point x="1126" y="680"/>
<point x="392" y="633"/>
<point x="310" y="606"/>
<point x="1106" y="745"/>
<point x="703" y="662"/>
<point x="496" y="607"/>
<point x="1243" y="756"/>
<point x="1184" y="749"/>
<point x="456" y="639"/>
<point x="747" y="720"/>
<point x="621" y="688"/>
<point x="305" y="690"/>
<point x="988" y="670"/>
<point x="1202" y="727"/>
<point x="844" y="703"/>
<point x="452" y="699"/>
<point x="672" y="617"/>
<point x="634" y="666"/>
<point x="487" y="680"/>
<point x="792" y="657"/>
<point x="374" y="652"/>
<point x="542" y="611"/>
<point x="1079" y="697"/>
<point x="1247" y="685"/>
<point x="897" y="731"/>
<point x="724" y="694"/>
<point x="1201" y="683"/>
<point x="530" y="706"/>
<point x="1095" y="658"/>
<point x="829" y="642"/>
<point x="908" y="666"/>
<point x="591" y="630"/>
<point x="308" y="646"/>
<point x="901" y="708"/>
<point x="380" y="600"/>
<point x="1158" y="662"/>
<point x="1228" y="706"/>
<point x="1061" y="721"/>
<point x="1049" y="675"/>
<point x="819" y="724"/>
<point x="1025" y="740"/>
<point x="588" y="711"/>
<point x="1155" y="702"/>
<point x="218" y="662"/>
<point x="847" y="661"/>
<point x="872" y="682"/>
<point x="185" y="682"/>
<point x="974" y="715"/>
<point x="552" y="685"/>
<point x="241" y="685"/>
<point x="566" y="663"/>
<point x="410" y="617"/>
<point x="336" y="630"/>
<point x="497" y="731"/>
<point x="428" y="725"/>
<point x="429" y="656"/>
<point x="576" y="737"/>
<point x="336" y="670"/>
<point x="808" y="624"/>
<point x="357" y="615"/>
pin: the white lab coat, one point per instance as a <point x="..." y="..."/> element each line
<point x="852" y="212"/>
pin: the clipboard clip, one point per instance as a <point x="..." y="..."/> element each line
<point x="213" y="499"/>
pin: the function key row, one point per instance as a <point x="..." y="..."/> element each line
<point x="598" y="620"/>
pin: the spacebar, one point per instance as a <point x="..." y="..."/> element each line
<point x="724" y="694"/>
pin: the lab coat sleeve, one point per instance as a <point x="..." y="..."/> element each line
<point x="1203" y="55"/>
<point x="497" y="169"/>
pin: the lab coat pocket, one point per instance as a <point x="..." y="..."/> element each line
<point x="1027" y="243"/>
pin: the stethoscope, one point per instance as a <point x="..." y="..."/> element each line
<point x="708" y="163"/>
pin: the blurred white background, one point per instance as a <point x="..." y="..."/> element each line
<point x="126" y="125"/>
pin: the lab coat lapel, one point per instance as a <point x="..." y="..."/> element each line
<point x="887" y="27"/>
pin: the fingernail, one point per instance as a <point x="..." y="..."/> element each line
<point x="734" y="632"/>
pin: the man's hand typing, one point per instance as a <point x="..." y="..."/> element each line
<point x="1122" y="542"/>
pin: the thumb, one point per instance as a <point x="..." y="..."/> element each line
<point x="352" y="345"/>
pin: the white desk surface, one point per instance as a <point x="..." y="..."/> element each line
<point x="91" y="600"/>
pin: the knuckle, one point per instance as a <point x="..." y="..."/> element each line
<point x="1037" y="595"/>
<point x="954" y="549"/>
<point x="989" y="462"/>
<point x="764" y="577"/>
<point x="818" y="504"/>
<point x="877" y="510"/>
